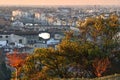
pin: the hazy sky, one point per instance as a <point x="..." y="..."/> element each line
<point x="59" y="2"/>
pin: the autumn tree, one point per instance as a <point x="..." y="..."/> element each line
<point x="100" y="66"/>
<point x="84" y="53"/>
<point x="45" y="63"/>
<point x="102" y="33"/>
<point x="16" y="60"/>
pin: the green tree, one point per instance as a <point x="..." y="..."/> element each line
<point x="95" y="42"/>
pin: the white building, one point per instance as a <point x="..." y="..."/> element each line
<point x="37" y="15"/>
<point x="13" y="39"/>
<point x="58" y="36"/>
<point x="52" y="41"/>
<point x="40" y="45"/>
<point x="42" y="16"/>
<point x="18" y="24"/>
<point x="3" y="43"/>
<point x="16" y="13"/>
<point x="57" y="22"/>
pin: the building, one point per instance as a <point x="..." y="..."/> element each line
<point x="13" y="39"/>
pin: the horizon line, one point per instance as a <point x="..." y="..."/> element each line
<point x="54" y="5"/>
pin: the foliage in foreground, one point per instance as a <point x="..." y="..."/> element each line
<point x="88" y="54"/>
<point x="110" y="77"/>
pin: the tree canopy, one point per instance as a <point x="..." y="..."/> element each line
<point x="84" y="55"/>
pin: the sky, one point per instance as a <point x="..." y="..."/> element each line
<point x="59" y="2"/>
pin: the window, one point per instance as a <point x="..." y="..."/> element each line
<point x="20" y="41"/>
<point x="34" y="41"/>
<point x="35" y="45"/>
<point x="6" y="36"/>
<point x="28" y="42"/>
<point x="0" y="36"/>
<point x="7" y="41"/>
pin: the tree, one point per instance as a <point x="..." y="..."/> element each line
<point x="45" y="63"/>
<point x="77" y="54"/>
<point x="5" y="73"/>
<point x="100" y="66"/>
<point x="16" y="60"/>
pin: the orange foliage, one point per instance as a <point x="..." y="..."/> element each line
<point x="16" y="59"/>
<point x="100" y="66"/>
<point x="69" y="35"/>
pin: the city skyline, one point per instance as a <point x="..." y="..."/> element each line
<point x="58" y="2"/>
